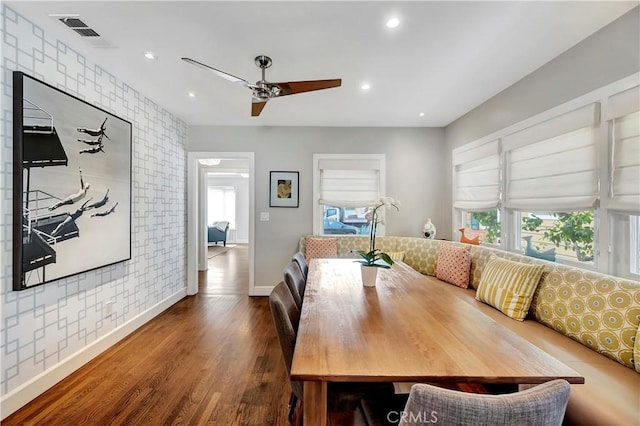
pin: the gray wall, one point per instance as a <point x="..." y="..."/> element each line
<point x="415" y="175"/>
<point x="607" y="56"/>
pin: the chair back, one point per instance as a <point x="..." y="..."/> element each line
<point x="542" y="405"/>
<point x="295" y="281"/>
<point x="286" y="317"/>
<point x="302" y="264"/>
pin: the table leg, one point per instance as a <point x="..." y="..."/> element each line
<point x="315" y="404"/>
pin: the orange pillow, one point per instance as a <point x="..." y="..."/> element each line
<point x="454" y="264"/>
<point x="320" y="248"/>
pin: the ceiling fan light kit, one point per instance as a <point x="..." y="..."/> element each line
<point x="264" y="90"/>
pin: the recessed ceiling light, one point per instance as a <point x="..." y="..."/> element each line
<point x="150" y="56"/>
<point x="393" y="22"/>
<point x="421" y="114"/>
<point x="192" y="95"/>
<point x="365" y="86"/>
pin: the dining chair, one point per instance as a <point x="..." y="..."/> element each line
<point x="302" y="263"/>
<point x="543" y="405"/>
<point x="286" y="317"/>
<point x="294" y="279"/>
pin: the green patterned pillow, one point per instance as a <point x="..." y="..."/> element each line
<point x="509" y="286"/>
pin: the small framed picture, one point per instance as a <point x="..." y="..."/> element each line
<point x="284" y="189"/>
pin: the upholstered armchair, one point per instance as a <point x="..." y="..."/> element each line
<point x="217" y="232"/>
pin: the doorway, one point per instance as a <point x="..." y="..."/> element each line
<point x="228" y="177"/>
<point x="226" y="200"/>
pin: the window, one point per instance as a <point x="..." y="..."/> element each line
<point x="345" y="220"/>
<point x="553" y="165"/>
<point x="624" y="250"/>
<point x="344" y="187"/>
<point x="566" y="183"/>
<point x="558" y="235"/>
<point x="221" y="205"/>
<point x="484" y="225"/>
<point x="476" y="174"/>
<point x="624" y="127"/>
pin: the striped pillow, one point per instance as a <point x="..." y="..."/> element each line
<point x="396" y="255"/>
<point x="509" y="286"/>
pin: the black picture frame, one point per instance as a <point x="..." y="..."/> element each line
<point x="71" y="185"/>
<point x="284" y="189"/>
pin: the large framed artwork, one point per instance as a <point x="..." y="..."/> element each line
<point x="71" y="185"/>
<point x="283" y="189"/>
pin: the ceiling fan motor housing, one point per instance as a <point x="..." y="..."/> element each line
<point x="265" y="91"/>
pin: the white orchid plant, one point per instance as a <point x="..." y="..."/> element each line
<point x="374" y="256"/>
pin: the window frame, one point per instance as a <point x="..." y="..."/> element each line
<point x="318" y="210"/>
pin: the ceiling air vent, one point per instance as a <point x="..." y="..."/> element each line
<point x="80" y="27"/>
<point x="76" y="24"/>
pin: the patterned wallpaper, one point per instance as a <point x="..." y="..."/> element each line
<point x="44" y="325"/>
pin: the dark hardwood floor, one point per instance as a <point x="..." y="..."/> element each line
<point x="212" y="358"/>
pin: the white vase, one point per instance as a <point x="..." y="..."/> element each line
<point x="369" y="275"/>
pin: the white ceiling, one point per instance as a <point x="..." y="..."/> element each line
<point x="444" y="59"/>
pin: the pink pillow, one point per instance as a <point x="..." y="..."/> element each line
<point x="454" y="263"/>
<point x="320" y="248"/>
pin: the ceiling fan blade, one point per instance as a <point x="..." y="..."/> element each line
<point x="256" y="107"/>
<point x="225" y="75"/>
<point x="293" y="87"/>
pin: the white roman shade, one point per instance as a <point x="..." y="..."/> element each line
<point x="553" y="165"/>
<point x="477" y="177"/>
<point x="349" y="183"/>
<point x="623" y="111"/>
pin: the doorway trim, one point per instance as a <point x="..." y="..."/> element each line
<point x="194" y="198"/>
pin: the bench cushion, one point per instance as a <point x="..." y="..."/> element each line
<point x="611" y="392"/>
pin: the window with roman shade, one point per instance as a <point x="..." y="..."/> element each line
<point x="349" y="182"/>
<point x="623" y="114"/>
<point x="553" y="165"/>
<point x="477" y="177"/>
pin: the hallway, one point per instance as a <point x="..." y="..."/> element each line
<point x="228" y="271"/>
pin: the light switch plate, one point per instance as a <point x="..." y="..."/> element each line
<point x="264" y="216"/>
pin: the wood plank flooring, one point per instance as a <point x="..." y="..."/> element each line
<point x="212" y="358"/>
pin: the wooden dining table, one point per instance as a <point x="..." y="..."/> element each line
<point x="407" y="328"/>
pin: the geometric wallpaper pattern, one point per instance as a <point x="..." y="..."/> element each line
<point x="44" y="325"/>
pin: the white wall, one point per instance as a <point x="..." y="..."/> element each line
<point x="51" y="330"/>
<point x="415" y="175"/>
<point x="241" y="186"/>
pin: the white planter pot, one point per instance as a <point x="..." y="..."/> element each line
<point x="369" y="275"/>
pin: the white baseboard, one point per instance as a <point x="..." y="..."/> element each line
<point x="28" y="391"/>
<point x="261" y="291"/>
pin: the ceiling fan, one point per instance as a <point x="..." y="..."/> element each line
<point x="264" y="90"/>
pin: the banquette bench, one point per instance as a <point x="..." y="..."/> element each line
<point x="588" y="320"/>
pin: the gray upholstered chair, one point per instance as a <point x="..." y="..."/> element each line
<point x="295" y="281"/>
<point x="542" y="405"/>
<point x="286" y="317"/>
<point x="302" y="264"/>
